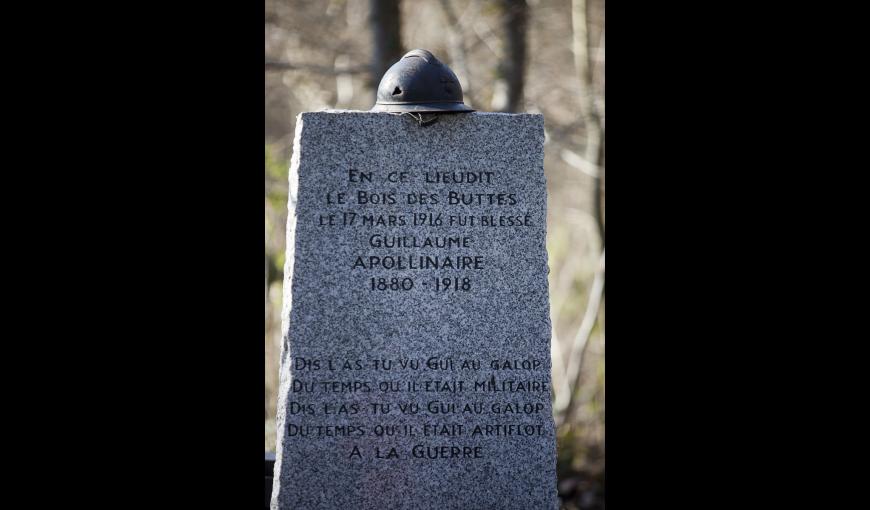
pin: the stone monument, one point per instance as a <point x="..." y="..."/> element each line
<point x="415" y="366"/>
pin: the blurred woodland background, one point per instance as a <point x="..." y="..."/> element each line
<point x="538" y="56"/>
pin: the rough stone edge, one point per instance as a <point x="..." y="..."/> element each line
<point x="554" y="447"/>
<point x="475" y="113"/>
<point x="284" y="370"/>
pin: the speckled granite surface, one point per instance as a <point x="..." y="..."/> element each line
<point x="416" y="358"/>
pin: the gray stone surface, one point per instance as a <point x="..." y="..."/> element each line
<point x="398" y="371"/>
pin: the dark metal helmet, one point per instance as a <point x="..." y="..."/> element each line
<point x="420" y="83"/>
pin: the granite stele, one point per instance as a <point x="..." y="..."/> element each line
<point x="416" y="354"/>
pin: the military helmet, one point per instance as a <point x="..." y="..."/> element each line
<point x="420" y="83"/>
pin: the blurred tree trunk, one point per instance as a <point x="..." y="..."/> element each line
<point x="458" y="51"/>
<point x="512" y="69"/>
<point x="584" y="62"/>
<point x="386" y="22"/>
<point x="599" y="188"/>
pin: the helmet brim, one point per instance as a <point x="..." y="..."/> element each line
<point x="421" y="108"/>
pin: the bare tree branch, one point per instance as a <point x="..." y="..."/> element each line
<point x="581" y="339"/>
<point x="275" y="65"/>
